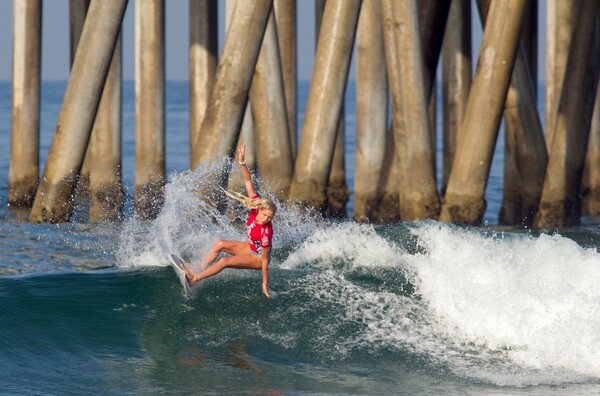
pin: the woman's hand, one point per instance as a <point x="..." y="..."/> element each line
<point x="266" y="290"/>
<point x="242" y="154"/>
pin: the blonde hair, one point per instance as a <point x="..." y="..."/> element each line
<point x="252" y="203"/>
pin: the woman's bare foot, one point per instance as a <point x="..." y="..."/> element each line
<point x="190" y="278"/>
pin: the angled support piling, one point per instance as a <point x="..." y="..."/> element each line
<point x="273" y="147"/>
<point x="77" y="12"/>
<point x="322" y="115"/>
<point x="220" y="128"/>
<point x="53" y="201"/>
<point x="100" y="175"/>
<point x="464" y="201"/>
<point x="525" y="155"/>
<point x="24" y="143"/>
<point x="107" y="196"/>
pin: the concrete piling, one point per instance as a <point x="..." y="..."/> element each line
<point x="203" y="61"/>
<point x="560" y="203"/>
<point x="100" y="175"/>
<point x="525" y="154"/>
<point x="272" y="138"/>
<point x="464" y="201"/>
<point x="323" y="108"/>
<point x="53" y="201"/>
<point x="285" y="20"/>
<point x="220" y="128"/>
<point x="107" y="196"/>
<point x="371" y="109"/>
<point x="405" y="65"/>
<point x="456" y="78"/>
<point x="590" y="185"/>
<point x="149" y="107"/>
<point x="337" y="191"/>
<point x="387" y="205"/>
<point x="560" y="24"/>
<point x="25" y="136"/>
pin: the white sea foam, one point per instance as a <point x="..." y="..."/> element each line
<point x="189" y="223"/>
<point x="511" y="309"/>
<point x="533" y="301"/>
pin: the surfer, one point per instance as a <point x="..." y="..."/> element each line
<point x="256" y="252"/>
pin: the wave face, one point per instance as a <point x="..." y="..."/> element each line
<point x="354" y="309"/>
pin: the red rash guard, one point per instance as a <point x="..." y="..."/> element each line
<point x="259" y="236"/>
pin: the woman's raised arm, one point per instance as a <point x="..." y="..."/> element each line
<point x="245" y="172"/>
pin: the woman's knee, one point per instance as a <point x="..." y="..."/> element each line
<point x="219" y="245"/>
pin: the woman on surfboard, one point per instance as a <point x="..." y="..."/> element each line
<point x="256" y="252"/>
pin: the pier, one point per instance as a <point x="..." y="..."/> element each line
<point x="403" y="50"/>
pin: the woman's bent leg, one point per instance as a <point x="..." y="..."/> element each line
<point x="240" y="261"/>
<point x="231" y="247"/>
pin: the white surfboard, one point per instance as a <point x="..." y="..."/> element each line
<point x="177" y="264"/>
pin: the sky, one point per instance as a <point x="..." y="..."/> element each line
<point x="55" y="39"/>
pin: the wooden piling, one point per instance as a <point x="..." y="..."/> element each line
<point x="149" y="107"/>
<point x="456" y="78"/>
<point x="220" y="128"/>
<point x="285" y="20"/>
<point x="203" y="60"/>
<point x="405" y="65"/>
<point x="24" y="143"/>
<point x="560" y="204"/>
<point x="371" y="109"/>
<point x="464" y="201"/>
<point x="53" y="198"/>
<point x="273" y="147"/>
<point x="322" y="114"/>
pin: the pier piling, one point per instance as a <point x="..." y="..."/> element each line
<point x="25" y="136"/>
<point x="220" y="129"/>
<point x="53" y="201"/>
<point x="203" y="61"/>
<point x="271" y="134"/>
<point x="371" y="109"/>
<point x="418" y="196"/>
<point x="560" y="203"/>
<point x="464" y="201"/>
<point x="149" y="107"/>
<point x="322" y="115"/>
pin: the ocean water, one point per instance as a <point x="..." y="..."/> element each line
<point x="414" y="308"/>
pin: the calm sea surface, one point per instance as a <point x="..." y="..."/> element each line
<point x="414" y="308"/>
